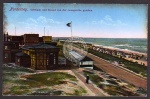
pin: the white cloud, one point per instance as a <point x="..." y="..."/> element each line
<point x="31" y="20"/>
<point x="28" y="24"/>
<point x="36" y="24"/>
<point x="120" y="22"/>
<point x="107" y="20"/>
<point x="45" y="20"/>
<point x="42" y="19"/>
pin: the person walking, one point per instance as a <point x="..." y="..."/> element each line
<point x="87" y="79"/>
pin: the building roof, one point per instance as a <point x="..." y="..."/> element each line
<point x="86" y="65"/>
<point x="21" y="54"/>
<point x="14" y="36"/>
<point x="79" y="56"/>
<point x="87" y="59"/>
<point x="31" y="34"/>
<point x="75" y="54"/>
<point x="50" y="43"/>
<point x="40" y="45"/>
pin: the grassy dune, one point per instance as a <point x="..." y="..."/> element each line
<point x="25" y="82"/>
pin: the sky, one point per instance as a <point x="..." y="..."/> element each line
<point x="88" y="20"/>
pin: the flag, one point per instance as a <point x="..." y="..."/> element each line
<point x="69" y="24"/>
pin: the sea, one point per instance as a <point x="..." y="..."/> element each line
<point x="131" y="44"/>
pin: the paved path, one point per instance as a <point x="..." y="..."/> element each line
<point x="91" y="86"/>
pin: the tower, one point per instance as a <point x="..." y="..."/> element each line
<point x="5" y="37"/>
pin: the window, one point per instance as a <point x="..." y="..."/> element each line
<point x="6" y="47"/>
<point x="18" y="60"/>
<point x="47" y="62"/>
<point x="6" y="55"/>
<point x="54" y="61"/>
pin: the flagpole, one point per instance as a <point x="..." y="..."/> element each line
<point x="71" y="31"/>
<point x="70" y="25"/>
<point x="15" y="30"/>
<point x="71" y="35"/>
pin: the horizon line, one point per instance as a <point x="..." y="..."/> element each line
<point x="83" y="37"/>
<point x="102" y="37"/>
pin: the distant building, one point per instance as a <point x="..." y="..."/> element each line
<point x="30" y="39"/>
<point x="47" y="38"/>
<point x="13" y="38"/>
<point x="43" y="56"/>
<point x="17" y="38"/>
<point x="40" y="39"/>
<point x="89" y="45"/>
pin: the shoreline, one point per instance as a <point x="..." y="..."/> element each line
<point x="140" y="58"/>
<point x="118" y="49"/>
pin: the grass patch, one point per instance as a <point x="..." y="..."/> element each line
<point x="21" y="69"/>
<point x="94" y="78"/>
<point x="9" y="74"/>
<point x="117" y="90"/>
<point x="112" y="82"/>
<point x="78" y="92"/>
<point x="19" y="90"/>
<point x="30" y="83"/>
<point x="46" y="91"/>
<point x="114" y="89"/>
<point x="16" y="69"/>
<point x="50" y="79"/>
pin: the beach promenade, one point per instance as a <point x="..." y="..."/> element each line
<point x="117" y="71"/>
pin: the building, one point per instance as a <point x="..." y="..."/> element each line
<point x="13" y="38"/>
<point x="62" y="61"/>
<point x="30" y="39"/>
<point x="17" y="38"/>
<point x="26" y="51"/>
<point x="5" y="38"/>
<point x="43" y="56"/>
<point x="22" y="59"/>
<point x="40" y="39"/>
<point x="47" y="39"/>
<point x="81" y="61"/>
<point x="10" y="48"/>
<point x="86" y="63"/>
<point x="89" y="45"/>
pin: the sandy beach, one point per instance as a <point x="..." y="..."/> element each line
<point x="127" y="52"/>
<point x="123" y="50"/>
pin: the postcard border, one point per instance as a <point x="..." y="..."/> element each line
<point x="72" y="1"/>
